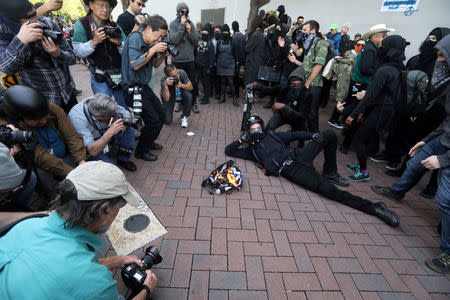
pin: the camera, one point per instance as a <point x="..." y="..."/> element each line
<point x="175" y="80"/>
<point x="10" y="137"/>
<point x="170" y="46"/>
<point x="126" y="121"/>
<point x="134" y="276"/>
<point x="56" y="36"/>
<point x="185" y="14"/>
<point x="137" y="100"/>
<point x="112" y="32"/>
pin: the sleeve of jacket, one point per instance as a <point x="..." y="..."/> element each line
<point x="177" y="32"/>
<point x="67" y="56"/>
<point x="251" y="43"/>
<point x="50" y="163"/>
<point x="375" y="87"/>
<point x="292" y="115"/>
<point x="72" y="139"/>
<point x="233" y="150"/>
<point x="368" y="65"/>
<point x="193" y="36"/>
<point x="12" y="55"/>
<point x="212" y="54"/>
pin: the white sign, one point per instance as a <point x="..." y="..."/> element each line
<point x="399" y="5"/>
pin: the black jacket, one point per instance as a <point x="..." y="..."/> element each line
<point x="205" y="53"/>
<point x="255" y="51"/>
<point x="239" y="40"/>
<point x="369" y="60"/>
<point x="270" y="152"/>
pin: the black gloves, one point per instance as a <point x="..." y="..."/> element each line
<point x="245" y="138"/>
<point x="318" y="138"/>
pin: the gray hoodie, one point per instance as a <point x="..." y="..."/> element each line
<point x="184" y="42"/>
<point x="444" y="129"/>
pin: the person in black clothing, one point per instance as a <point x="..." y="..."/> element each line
<point x="254" y="50"/>
<point x="226" y="64"/>
<point x="271" y="150"/>
<point x="291" y="109"/>
<point x="204" y="60"/>
<point x="379" y="104"/>
<point x="284" y="18"/>
<point x="239" y="41"/>
<point x="130" y="19"/>
<point x="346" y="43"/>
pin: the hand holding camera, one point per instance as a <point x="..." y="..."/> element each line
<point x="30" y="32"/>
<point x="188" y="27"/>
<point x="116" y="127"/>
<point x="184" y="19"/>
<point x="159" y="48"/>
<point x="99" y="36"/>
<point x="50" y="46"/>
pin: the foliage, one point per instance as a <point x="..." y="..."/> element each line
<point x="72" y="10"/>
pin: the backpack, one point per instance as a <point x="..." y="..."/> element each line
<point x="224" y="179"/>
<point x="413" y="91"/>
<point x="331" y="53"/>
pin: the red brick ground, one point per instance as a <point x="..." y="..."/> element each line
<point x="273" y="239"/>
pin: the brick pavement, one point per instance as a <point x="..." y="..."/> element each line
<point x="273" y="239"/>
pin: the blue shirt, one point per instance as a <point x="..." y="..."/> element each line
<point x="40" y="258"/>
<point x="50" y="140"/>
<point x="133" y="51"/>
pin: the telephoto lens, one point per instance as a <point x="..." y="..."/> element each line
<point x="134" y="276"/>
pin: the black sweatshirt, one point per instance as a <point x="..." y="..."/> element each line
<point x="268" y="151"/>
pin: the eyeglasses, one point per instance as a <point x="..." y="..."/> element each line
<point x="103" y="7"/>
<point x="140" y="4"/>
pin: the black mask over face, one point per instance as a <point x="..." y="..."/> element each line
<point x="217" y="35"/>
<point x="257" y="134"/>
<point x="205" y="37"/>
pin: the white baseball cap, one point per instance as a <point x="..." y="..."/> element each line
<point x="99" y="180"/>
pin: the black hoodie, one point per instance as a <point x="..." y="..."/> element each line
<point x="384" y="87"/>
<point x="205" y="53"/>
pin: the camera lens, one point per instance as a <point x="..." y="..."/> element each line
<point x="151" y="257"/>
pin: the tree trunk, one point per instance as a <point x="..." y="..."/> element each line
<point x="254" y="7"/>
<point x="124" y="4"/>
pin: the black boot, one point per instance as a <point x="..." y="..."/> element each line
<point x="235" y="102"/>
<point x="387" y="215"/>
<point x="270" y="103"/>
<point x="222" y="98"/>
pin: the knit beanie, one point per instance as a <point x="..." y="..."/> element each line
<point x="10" y="173"/>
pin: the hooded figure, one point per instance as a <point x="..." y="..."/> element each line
<point x="426" y="58"/>
<point x="226" y="63"/>
<point x="282" y="15"/>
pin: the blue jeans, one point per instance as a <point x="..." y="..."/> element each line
<point x="103" y="88"/>
<point x="414" y="172"/>
<point x="126" y="140"/>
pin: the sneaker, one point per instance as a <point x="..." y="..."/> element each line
<point x="379" y="158"/>
<point x="204" y="101"/>
<point x="440" y="264"/>
<point x="336" y="179"/>
<point x="127" y="165"/>
<point x="343" y="149"/>
<point x="184" y="122"/>
<point x="353" y="167"/>
<point x="178" y="107"/>
<point x="195" y="108"/>
<point x="359" y="176"/>
<point x="392" y="166"/>
<point x="385" y="192"/>
<point x="394" y="173"/>
<point x="335" y="125"/>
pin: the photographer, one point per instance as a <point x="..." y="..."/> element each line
<point x="34" y="48"/>
<point x="142" y="51"/>
<point x="176" y="86"/>
<point x="100" y="122"/>
<point x="60" y="247"/>
<point x="58" y="147"/>
<point x="132" y="17"/>
<point x="100" y="40"/>
<point x="271" y="151"/>
<point x="185" y="38"/>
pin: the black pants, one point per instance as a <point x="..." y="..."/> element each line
<point x="168" y="106"/>
<point x="366" y="137"/>
<point x="238" y="82"/>
<point x="287" y="116"/>
<point x="312" y="108"/>
<point x="189" y="68"/>
<point x="302" y="172"/>
<point x="204" y="74"/>
<point x="71" y="103"/>
<point x="153" y="116"/>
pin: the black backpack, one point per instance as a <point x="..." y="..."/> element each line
<point x="413" y="91"/>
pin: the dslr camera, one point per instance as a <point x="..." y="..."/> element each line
<point x="170" y="46"/>
<point x="112" y="32"/>
<point x="56" y="36"/>
<point x="10" y="137"/>
<point x="139" y="13"/>
<point x="175" y="80"/>
<point x="134" y="276"/>
<point x="129" y="122"/>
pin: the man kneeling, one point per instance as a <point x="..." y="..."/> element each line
<point x="106" y="131"/>
<point x="272" y="151"/>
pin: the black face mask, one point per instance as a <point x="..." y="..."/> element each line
<point x="217" y="35"/>
<point x="205" y="37"/>
<point x="428" y="53"/>
<point x="226" y="36"/>
<point x="257" y="134"/>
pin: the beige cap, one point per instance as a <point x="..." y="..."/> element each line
<point x="98" y="180"/>
<point x="376" y="29"/>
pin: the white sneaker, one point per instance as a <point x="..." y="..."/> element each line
<point x="184" y="122"/>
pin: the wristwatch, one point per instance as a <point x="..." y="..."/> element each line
<point x="149" y="292"/>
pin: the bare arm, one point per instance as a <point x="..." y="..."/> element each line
<point x="96" y="147"/>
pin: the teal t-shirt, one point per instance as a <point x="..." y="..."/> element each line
<point x="80" y="35"/>
<point x="50" y="140"/>
<point x="40" y="258"/>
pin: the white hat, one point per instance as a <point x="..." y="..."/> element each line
<point x="98" y="180"/>
<point x="376" y="29"/>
